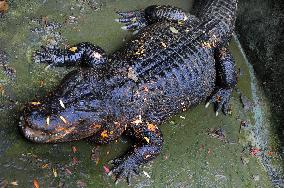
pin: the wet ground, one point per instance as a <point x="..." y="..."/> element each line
<point x="200" y="150"/>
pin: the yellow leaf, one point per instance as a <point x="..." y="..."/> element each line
<point x="147" y="140"/>
<point x="104" y="134"/>
<point x="73" y="49"/>
<point x="174" y="30"/>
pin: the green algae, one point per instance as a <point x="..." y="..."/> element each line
<point x="190" y="157"/>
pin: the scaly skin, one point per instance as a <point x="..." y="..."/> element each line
<point x="175" y="61"/>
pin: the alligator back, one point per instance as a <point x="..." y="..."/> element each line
<point x="171" y="65"/>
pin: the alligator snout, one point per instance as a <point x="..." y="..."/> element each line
<point x="41" y="123"/>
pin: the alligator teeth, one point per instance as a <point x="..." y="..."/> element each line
<point x="217" y="113"/>
<point x="207" y="105"/>
<point x="48" y="120"/>
<point x="61" y="103"/>
<point x="63" y="119"/>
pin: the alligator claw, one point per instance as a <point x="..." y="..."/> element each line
<point x="221" y="100"/>
<point x="133" y="20"/>
<point x="123" y="170"/>
<point x="130" y="14"/>
<point x="207" y="104"/>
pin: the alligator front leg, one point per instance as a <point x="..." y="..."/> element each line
<point x="80" y="54"/>
<point x="226" y="80"/>
<point x="136" y="20"/>
<point x="148" y="144"/>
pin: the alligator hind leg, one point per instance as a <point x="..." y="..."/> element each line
<point x="148" y="144"/>
<point x="80" y="54"/>
<point x="136" y="20"/>
<point x="226" y="80"/>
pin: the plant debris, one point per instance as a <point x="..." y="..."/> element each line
<point x="14" y="183"/>
<point x="54" y="171"/>
<point x="74" y="149"/>
<point x="81" y="183"/>
<point x="174" y="30"/>
<point x="4" y="6"/>
<point x="95" y="154"/>
<point x="218" y="133"/>
<point x="254" y="151"/>
<point x="36" y="183"/>
<point x="106" y="169"/>
<point x="9" y="72"/>
<point x="3" y="183"/>
<point x="146" y="174"/>
<point x="247" y="104"/>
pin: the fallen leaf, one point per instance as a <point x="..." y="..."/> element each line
<point x="146" y="174"/>
<point x="44" y="165"/>
<point x="96" y="55"/>
<point x="41" y="83"/>
<point x="104" y="134"/>
<point x="147" y="140"/>
<point x="132" y="74"/>
<point x="54" y="172"/>
<point x="163" y="45"/>
<point x="68" y="171"/>
<point x="151" y="127"/>
<point x="36" y="183"/>
<point x="4" y="6"/>
<point x="35" y="103"/>
<point x="74" y="149"/>
<point x="73" y="49"/>
<point x="137" y="121"/>
<point x="174" y="30"/>
<point x="106" y="169"/>
<point x="14" y="183"/>
<point x="81" y="183"/>
<point x="75" y="160"/>
<point x="254" y="151"/>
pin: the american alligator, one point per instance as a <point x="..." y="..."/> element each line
<point x="174" y="61"/>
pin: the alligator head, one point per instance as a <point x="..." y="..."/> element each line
<point x="73" y="111"/>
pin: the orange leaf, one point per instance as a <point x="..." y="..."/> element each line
<point x="151" y="127"/>
<point x="36" y="184"/>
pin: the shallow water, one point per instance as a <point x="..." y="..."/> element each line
<point x="190" y="157"/>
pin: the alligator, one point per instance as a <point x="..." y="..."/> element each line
<point x="174" y="61"/>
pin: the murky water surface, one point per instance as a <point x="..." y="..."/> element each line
<point x="193" y="156"/>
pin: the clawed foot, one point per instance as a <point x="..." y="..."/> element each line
<point x="124" y="169"/>
<point x="133" y="20"/>
<point x="221" y="100"/>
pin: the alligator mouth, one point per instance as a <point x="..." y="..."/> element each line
<point x="40" y="136"/>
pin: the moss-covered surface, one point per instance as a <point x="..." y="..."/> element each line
<point x="190" y="157"/>
<point x="260" y="30"/>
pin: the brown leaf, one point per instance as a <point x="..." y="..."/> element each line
<point x="4" y="6"/>
<point x="74" y="149"/>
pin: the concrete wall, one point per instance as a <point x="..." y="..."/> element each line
<point x="260" y="28"/>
